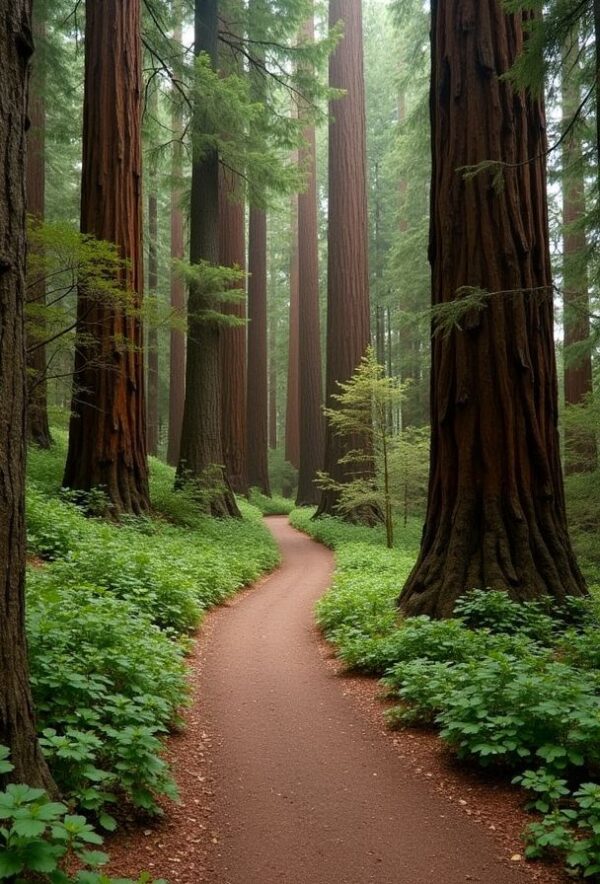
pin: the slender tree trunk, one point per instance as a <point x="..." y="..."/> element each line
<point x="257" y="399"/>
<point x="581" y="454"/>
<point x="272" y="345"/>
<point x="597" y="54"/>
<point x="201" y="457"/>
<point x="496" y="513"/>
<point x="312" y="423"/>
<point x="38" y="428"/>
<point x="232" y="250"/>
<point x="177" y="342"/>
<point x="152" y="405"/>
<point x="292" y="411"/>
<point x="17" y="720"/>
<point x="107" y="435"/>
<point x="348" y="312"/>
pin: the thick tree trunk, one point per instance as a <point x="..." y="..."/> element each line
<point x="38" y="428"/>
<point x="581" y="455"/>
<point x="312" y="423"/>
<point x="292" y="408"/>
<point x="201" y="458"/>
<point x="348" y="312"/>
<point x="177" y="342"/>
<point x="152" y="404"/>
<point x="17" y="721"/>
<point x="232" y="251"/>
<point x="496" y="514"/>
<point x="257" y="398"/>
<point x="272" y="344"/>
<point x="107" y="435"/>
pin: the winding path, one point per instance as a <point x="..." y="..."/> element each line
<point x="306" y="790"/>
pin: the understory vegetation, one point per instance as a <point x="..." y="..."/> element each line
<point x="509" y="685"/>
<point x="110" y="612"/>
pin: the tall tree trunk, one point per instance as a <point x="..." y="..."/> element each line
<point x="107" y="434"/>
<point x="17" y="721"/>
<point x="257" y="399"/>
<point x="581" y="454"/>
<point x="292" y="409"/>
<point x="312" y="424"/>
<point x="201" y="457"/>
<point x="38" y="428"/>
<point x="348" y="312"/>
<point x="177" y="342"/>
<point x="272" y="347"/>
<point x="232" y="251"/>
<point x="496" y="513"/>
<point x="152" y="404"/>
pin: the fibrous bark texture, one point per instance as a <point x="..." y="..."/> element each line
<point x="17" y="722"/>
<point x="292" y="410"/>
<point x="257" y="397"/>
<point x="38" y="428"/>
<point x="581" y="452"/>
<point x="107" y="434"/>
<point x="348" y="312"/>
<point x="232" y="252"/>
<point x="496" y="514"/>
<point x="201" y="456"/>
<point x="310" y="394"/>
<point x="152" y="402"/>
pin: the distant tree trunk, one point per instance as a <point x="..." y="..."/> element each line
<point x="107" y="434"/>
<point x="17" y="721"/>
<point x="152" y="408"/>
<point x="38" y="428"/>
<point x="232" y="251"/>
<point x="496" y="513"/>
<point x="201" y="458"/>
<point x="312" y="423"/>
<point x="292" y="410"/>
<point x="348" y="312"/>
<point x="177" y="342"/>
<point x="272" y="347"/>
<point x="257" y="399"/>
<point x="581" y="455"/>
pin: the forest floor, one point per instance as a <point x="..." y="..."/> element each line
<point x="287" y="774"/>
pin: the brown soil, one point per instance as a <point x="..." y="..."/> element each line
<point x="288" y="775"/>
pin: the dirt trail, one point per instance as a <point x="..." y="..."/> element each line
<point x="307" y="791"/>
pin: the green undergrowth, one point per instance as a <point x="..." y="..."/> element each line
<point x="110" y="611"/>
<point x="510" y="686"/>
<point x="276" y="505"/>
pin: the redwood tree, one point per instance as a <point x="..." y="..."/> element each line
<point x="152" y="404"/>
<point x="581" y="452"/>
<point x="232" y="253"/>
<point x="348" y="312"/>
<point x="310" y="393"/>
<point x="38" y="428"/>
<point x="201" y="456"/>
<point x="177" y="342"/>
<point x="257" y="425"/>
<point x="292" y="411"/>
<point x="496" y="512"/>
<point x="17" y="722"/>
<point x="107" y="436"/>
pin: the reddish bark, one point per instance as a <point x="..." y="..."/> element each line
<point x="152" y="400"/>
<point x="38" y="428"/>
<point x="581" y="452"/>
<point x="232" y="252"/>
<point x="201" y="457"/>
<point x="107" y="435"/>
<point x="273" y="375"/>
<point x="312" y="425"/>
<point x="348" y="312"/>
<point x="17" y="721"/>
<point x="257" y="397"/>
<point x="292" y="410"/>
<point x="496" y="515"/>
